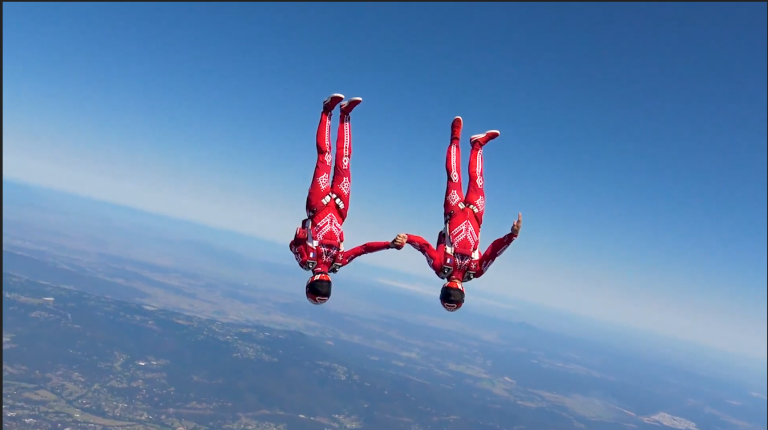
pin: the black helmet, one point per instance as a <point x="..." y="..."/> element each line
<point x="318" y="288"/>
<point x="452" y="295"/>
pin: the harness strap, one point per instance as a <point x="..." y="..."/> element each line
<point x="332" y="196"/>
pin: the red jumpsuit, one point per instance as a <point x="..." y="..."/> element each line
<point x="460" y="258"/>
<point x="318" y="243"/>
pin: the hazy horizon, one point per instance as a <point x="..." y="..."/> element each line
<point x="483" y="303"/>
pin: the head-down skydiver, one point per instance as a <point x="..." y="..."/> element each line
<point x="318" y="244"/>
<point x="457" y="258"/>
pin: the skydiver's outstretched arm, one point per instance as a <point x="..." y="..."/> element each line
<point x="371" y="247"/>
<point x="366" y="248"/>
<point x="434" y="256"/>
<point x="498" y="247"/>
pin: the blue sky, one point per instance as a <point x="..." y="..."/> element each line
<point x="633" y="136"/>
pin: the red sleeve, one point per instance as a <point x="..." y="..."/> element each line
<point x="366" y="248"/>
<point x="434" y="256"/>
<point x="494" y="251"/>
<point x="298" y="250"/>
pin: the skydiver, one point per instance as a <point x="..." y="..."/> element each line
<point x="318" y="244"/>
<point x="458" y="258"/>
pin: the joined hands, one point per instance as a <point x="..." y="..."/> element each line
<point x="399" y="241"/>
